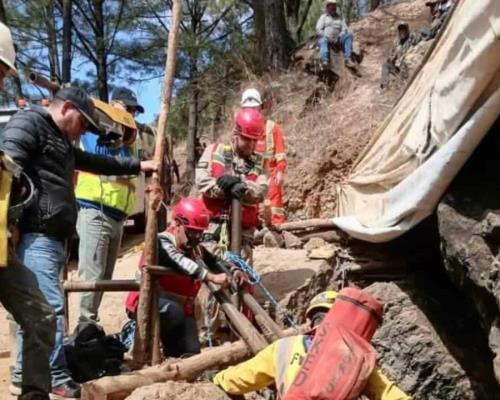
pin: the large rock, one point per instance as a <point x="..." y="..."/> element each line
<point x="178" y="391"/>
<point x="469" y="226"/>
<point x="413" y="350"/>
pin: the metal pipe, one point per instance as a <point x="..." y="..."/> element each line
<point x="101" y="286"/>
<point x="160" y="270"/>
<point x="236" y="226"/>
<point x="43" y="82"/>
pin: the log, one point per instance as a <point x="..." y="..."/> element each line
<point x="306" y="224"/>
<point x="142" y="352"/>
<point x="242" y="325"/>
<point x="119" y="387"/>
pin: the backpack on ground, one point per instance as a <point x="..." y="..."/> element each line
<point x="91" y="354"/>
<point x="341" y="358"/>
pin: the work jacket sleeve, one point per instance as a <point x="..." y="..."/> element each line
<point x="345" y="29"/>
<point x="254" y="374"/>
<point x="279" y="149"/>
<point x="106" y="165"/>
<point x="379" y="387"/>
<point x="256" y="190"/>
<point x="179" y="260"/>
<point x="19" y="141"/>
<point x="205" y="182"/>
<point x="320" y="25"/>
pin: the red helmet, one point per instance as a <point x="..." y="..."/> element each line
<point x="250" y="123"/>
<point x="191" y="213"/>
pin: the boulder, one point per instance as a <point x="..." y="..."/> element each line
<point x="412" y="352"/>
<point x="469" y="226"/>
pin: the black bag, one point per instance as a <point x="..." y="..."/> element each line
<point x="91" y="354"/>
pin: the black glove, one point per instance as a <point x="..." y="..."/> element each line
<point x="237" y="191"/>
<point x="226" y="182"/>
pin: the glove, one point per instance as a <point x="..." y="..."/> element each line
<point x="238" y="191"/>
<point x="226" y="182"/>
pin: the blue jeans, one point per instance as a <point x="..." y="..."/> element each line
<point x="345" y="41"/>
<point x="45" y="257"/>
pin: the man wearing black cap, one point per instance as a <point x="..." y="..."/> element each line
<point x="41" y="141"/>
<point x="104" y="204"/>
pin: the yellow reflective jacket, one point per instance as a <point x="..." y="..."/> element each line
<point x="280" y="362"/>
<point x="116" y="192"/>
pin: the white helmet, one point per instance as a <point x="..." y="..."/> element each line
<point x="251" y="98"/>
<point x="7" y="52"/>
<point x="329" y="2"/>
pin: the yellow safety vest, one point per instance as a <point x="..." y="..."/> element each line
<point x="116" y="192"/>
<point x="290" y="353"/>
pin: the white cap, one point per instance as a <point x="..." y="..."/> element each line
<point x="251" y="98"/>
<point x="7" y="52"/>
<point x="329" y="2"/>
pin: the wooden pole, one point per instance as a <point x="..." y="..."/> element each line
<point x="306" y="224"/>
<point x="142" y="346"/>
<point x="119" y="387"/>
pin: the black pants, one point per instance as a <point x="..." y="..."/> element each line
<point x="178" y="332"/>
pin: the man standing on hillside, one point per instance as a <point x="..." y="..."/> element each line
<point x="333" y="30"/>
<point x="104" y="204"/>
<point x="272" y="148"/>
<point x="40" y="140"/>
<point x="20" y="293"/>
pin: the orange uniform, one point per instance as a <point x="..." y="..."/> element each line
<point x="272" y="148"/>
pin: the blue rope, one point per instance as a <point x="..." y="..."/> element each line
<point x="255" y="279"/>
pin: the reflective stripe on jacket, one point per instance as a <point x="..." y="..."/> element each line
<point x="280" y="362"/>
<point x="218" y="160"/>
<point x="117" y="192"/>
<point x="272" y="148"/>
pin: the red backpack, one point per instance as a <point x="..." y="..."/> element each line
<point x="341" y="358"/>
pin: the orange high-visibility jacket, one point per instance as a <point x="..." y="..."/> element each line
<point x="272" y="148"/>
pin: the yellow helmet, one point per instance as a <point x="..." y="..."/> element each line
<point x="321" y="301"/>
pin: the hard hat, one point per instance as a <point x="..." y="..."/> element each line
<point x="191" y="213"/>
<point x="250" y="123"/>
<point x="251" y="98"/>
<point x="7" y="51"/>
<point x="329" y="2"/>
<point x="322" y="301"/>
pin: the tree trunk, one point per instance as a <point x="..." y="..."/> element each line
<point x="101" y="53"/>
<point x="276" y="41"/>
<point x="66" y="46"/>
<point x="259" y="29"/>
<point x="18" y="90"/>
<point x="52" y="42"/>
<point x="192" y="119"/>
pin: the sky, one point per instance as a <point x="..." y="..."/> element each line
<point x="149" y="96"/>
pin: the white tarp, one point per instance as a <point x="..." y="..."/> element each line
<point x="450" y="105"/>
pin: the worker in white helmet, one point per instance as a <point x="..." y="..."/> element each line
<point x="19" y="291"/>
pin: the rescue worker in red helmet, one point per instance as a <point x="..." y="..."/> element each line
<point x="225" y="172"/>
<point x="179" y="249"/>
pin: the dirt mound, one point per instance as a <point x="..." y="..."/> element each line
<point x="178" y="391"/>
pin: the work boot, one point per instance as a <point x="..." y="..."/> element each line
<point x="15" y="388"/>
<point x="33" y="394"/>
<point x="350" y="64"/>
<point x="67" y="391"/>
<point x="325" y="64"/>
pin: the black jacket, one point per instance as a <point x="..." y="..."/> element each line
<point x="34" y="141"/>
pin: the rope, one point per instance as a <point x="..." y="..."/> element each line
<point x="255" y="279"/>
<point x="209" y="320"/>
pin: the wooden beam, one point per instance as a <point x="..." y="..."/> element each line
<point x="119" y="387"/>
<point x="143" y="347"/>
